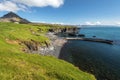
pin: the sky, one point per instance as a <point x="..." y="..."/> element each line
<point x="90" y="12"/>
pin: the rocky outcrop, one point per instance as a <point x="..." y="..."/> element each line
<point x="31" y="45"/>
<point x="36" y="47"/>
<point x="92" y="40"/>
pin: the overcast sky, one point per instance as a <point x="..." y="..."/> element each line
<point x="65" y="11"/>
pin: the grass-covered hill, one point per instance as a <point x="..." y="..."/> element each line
<point x="15" y="64"/>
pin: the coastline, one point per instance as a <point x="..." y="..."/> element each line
<point x="91" y="57"/>
<point x="58" y="40"/>
<point x="102" y="60"/>
<point x="97" y="56"/>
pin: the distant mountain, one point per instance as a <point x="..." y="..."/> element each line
<point x="12" y="17"/>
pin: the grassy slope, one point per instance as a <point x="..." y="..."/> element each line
<point x="16" y="65"/>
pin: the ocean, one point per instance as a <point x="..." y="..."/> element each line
<point x="100" y="59"/>
<point x="102" y="32"/>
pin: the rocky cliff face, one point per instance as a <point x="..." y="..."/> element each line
<point x="12" y="17"/>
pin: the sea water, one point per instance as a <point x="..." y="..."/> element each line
<point x="102" y="32"/>
<point x="100" y="59"/>
<point x="109" y="54"/>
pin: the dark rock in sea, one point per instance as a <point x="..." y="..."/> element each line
<point x="98" y="40"/>
<point x="71" y="35"/>
<point x="81" y="35"/>
<point x="92" y="40"/>
<point x="94" y="36"/>
<point x="75" y="35"/>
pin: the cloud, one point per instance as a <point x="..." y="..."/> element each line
<point x="16" y="5"/>
<point x="117" y="23"/>
<point x="8" y="6"/>
<point x="98" y="23"/>
<point x="93" y="23"/>
<point x="41" y="3"/>
<point x="89" y="23"/>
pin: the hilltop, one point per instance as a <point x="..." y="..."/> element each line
<point x="12" y="17"/>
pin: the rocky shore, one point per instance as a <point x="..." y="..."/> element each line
<point x="78" y="51"/>
<point x="57" y="39"/>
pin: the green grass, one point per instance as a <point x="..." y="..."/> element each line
<point x="17" y="65"/>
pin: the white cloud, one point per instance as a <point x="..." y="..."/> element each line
<point x="98" y="23"/>
<point x="93" y="23"/>
<point x="41" y="3"/>
<point x="89" y="23"/>
<point x="8" y="6"/>
<point x="50" y="22"/>
<point x="57" y="23"/>
<point x="16" y="5"/>
<point x="117" y="23"/>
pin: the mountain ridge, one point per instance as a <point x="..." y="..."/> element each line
<point x="12" y="17"/>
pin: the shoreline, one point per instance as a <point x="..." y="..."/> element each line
<point x="57" y="42"/>
<point x="93" y="56"/>
<point x="97" y="58"/>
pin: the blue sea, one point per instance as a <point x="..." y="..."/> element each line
<point x="100" y="59"/>
<point x="102" y="32"/>
<point x="108" y="55"/>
